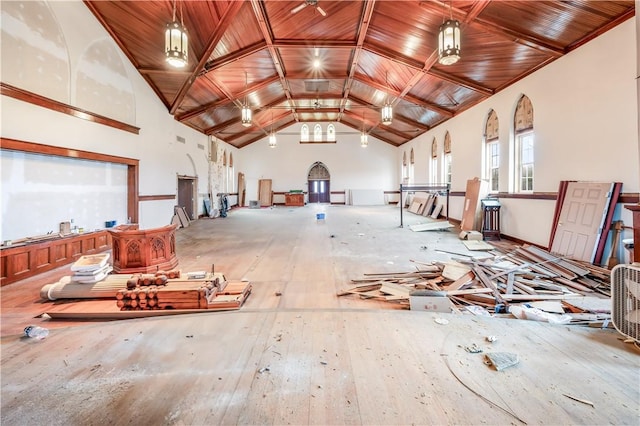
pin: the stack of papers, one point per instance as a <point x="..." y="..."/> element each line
<point x="90" y="269"/>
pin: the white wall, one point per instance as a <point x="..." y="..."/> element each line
<point x="585" y="122"/>
<point x="350" y="165"/>
<point x="162" y="158"/>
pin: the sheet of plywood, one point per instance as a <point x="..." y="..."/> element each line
<point x="416" y="205"/>
<point x="428" y="208"/>
<point x="476" y="190"/>
<point x="264" y="192"/>
<point x="436" y="211"/>
<point x="432" y="226"/>
<point x="581" y="218"/>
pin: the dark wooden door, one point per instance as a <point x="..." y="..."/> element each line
<point x="319" y="191"/>
<point x="186" y="195"/>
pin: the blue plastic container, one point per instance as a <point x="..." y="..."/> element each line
<point x="319" y="216"/>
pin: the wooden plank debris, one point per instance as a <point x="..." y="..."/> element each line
<point x="523" y="275"/>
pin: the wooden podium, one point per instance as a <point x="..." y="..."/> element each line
<point x="143" y="251"/>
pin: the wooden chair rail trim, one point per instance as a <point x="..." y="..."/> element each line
<point x="35" y="99"/>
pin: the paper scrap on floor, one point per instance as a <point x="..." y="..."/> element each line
<point x="477" y="245"/>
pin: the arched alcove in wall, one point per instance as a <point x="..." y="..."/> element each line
<point x="319" y="180"/>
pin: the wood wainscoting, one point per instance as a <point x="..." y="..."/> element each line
<point x="26" y="260"/>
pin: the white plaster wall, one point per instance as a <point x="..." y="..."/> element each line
<point x="162" y="158"/>
<point x="350" y="165"/>
<point x="585" y="122"/>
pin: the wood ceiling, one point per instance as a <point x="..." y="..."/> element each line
<point x="260" y="52"/>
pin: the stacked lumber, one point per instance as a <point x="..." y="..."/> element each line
<point x="92" y="268"/>
<point x="525" y="274"/>
<point x="188" y="294"/>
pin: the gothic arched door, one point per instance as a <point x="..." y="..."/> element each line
<point x="319" y="180"/>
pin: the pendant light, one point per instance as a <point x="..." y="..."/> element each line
<point x="272" y="136"/>
<point x="387" y="109"/>
<point x="176" y="43"/>
<point x="449" y="41"/>
<point x="364" y="137"/>
<point x="246" y="111"/>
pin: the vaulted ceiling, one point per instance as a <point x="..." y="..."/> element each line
<point x="261" y="52"/>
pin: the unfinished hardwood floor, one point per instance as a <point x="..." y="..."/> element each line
<point x="307" y="356"/>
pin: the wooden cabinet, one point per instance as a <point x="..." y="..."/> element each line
<point x="294" y="199"/>
<point x="28" y="259"/>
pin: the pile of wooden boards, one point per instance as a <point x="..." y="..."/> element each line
<point x="524" y="274"/>
<point x="151" y="292"/>
<point x="427" y="204"/>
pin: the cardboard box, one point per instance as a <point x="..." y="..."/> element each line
<point x="418" y="302"/>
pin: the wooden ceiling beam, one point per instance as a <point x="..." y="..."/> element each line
<point x="225" y="22"/>
<point x="229" y="98"/>
<point x="472" y="18"/>
<point x="232" y="57"/>
<point x="321" y="44"/>
<point x="363" y="28"/>
<point x="400" y="95"/>
<point x="630" y="13"/>
<point x="266" y="31"/>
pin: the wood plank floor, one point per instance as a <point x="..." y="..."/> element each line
<point x="307" y="356"/>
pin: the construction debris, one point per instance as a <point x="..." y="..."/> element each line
<point x="557" y="287"/>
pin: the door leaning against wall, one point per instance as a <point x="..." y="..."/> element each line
<point x="319" y="184"/>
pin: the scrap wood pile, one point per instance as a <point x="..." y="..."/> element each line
<point x="158" y="291"/>
<point x="526" y="274"/>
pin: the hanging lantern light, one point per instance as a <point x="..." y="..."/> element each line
<point x="364" y="140"/>
<point x="449" y="41"/>
<point x="364" y="137"/>
<point x="246" y="111"/>
<point x="272" y="136"/>
<point x="387" y="109"/>
<point x="246" y="116"/>
<point x="387" y="114"/>
<point x="176" y="44"/>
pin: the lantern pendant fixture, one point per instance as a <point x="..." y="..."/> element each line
<point x="176" y="44"/>
<point x="387" y="109"/>
<point x="246" y="111"/>
<point x="364" y="137"/>
<point x="272" y="136"/>
<point x="387" y="114"/>
<point x="449" y="41"/>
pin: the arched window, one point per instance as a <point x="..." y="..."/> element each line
<point x="524" y="138"/>
<point x="317" y="133"/>
<point x="434" y="161"/>
<point x="230" y="175"/>
<point x="331" y="133"/>
<point x="405" y="175"/>
<point x="412" y="161"/>
<point x="492" y="151"/>
<point x="304" y="133"/>
<point x="447" y="158"/>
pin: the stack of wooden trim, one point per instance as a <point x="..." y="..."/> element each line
<point x="523" y="274"/>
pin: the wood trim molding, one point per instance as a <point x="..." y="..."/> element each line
<point x="35" y="99"/>
<point x="157" y="197"/>
<point x="133" y="168"/>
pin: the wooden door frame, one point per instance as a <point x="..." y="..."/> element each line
<point x="194" y="193"/>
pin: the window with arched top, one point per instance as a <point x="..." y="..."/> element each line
<point x="492" y="151"/>
<point x="412" y="161"/>
<point x="447" y="158"/>
<point x="317" y="133"/>
<point x="524" y="144"/>
<point x="224" y="157"/>
<point x="434" y="161"/>
<point x="230" y="174"/>
<point x="331" y="133"/>
<point x="304" y="133"/>
<point x="405" y="174"/>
